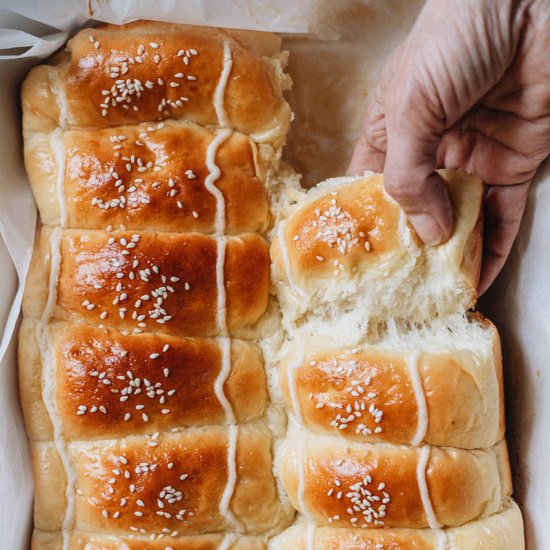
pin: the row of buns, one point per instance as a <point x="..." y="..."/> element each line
<point x="502" y="531"/>
<point x="150" y="150"/>
<point x="393" y="387"/>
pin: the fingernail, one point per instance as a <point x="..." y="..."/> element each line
<point x="427" y="228"/>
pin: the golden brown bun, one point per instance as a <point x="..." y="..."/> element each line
<point x="114" y="385"/>
<point x="148" y="71"/>
<point x="348" y="246"/>
<point x="172" y="481"/>
<point x="367" y="392"/>
<point x="171" y="277"/>
<point x="324" y="479"/>
<point x="42" y="540"/>
<point x="106" y="179"/>
<point x="501" y="531"/>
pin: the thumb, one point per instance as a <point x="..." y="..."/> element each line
<point x="413" y="137"/>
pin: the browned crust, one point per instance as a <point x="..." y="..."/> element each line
<point x="329" y="381"/>
<point x="42" y="540"/>
<point x="463" y="485"/>
<point x="313" y="233"/>
<point x="367" y="395"/>
<point x="253" y="97"/>
<point x="352" y="233"/>
<point x="131" y="384"/>
<point x="95" y="264"/>
<point x="247" y="279"/>
<point x="193" y="462"/>
<point x="502" y="531"/>
<point x="146" y="177"/>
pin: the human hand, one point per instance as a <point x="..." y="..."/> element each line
<point x="469" y="89"/>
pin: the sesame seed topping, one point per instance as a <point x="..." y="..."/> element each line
<point x="364" y="505"/>
<point x="354" y="406"/>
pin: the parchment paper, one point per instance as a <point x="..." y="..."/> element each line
<point x="333" y="66"/>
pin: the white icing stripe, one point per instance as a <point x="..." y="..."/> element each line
<point x="292" y="390"/>
<point x="221" y="243"/>
<point x="219" y="94"/>
<point x="422" y="414"/>
<point x="273" y="133"/>
<point x="225" y="510"/>
<point x="311" y="536"/>
<point x="55" y="264"/>
<point x="225" y="370"/>
<point x="286" y="260"/>
<point x="302" y="480"/>
<point x="442" y="541"/>
<point x="228" y="541"/>
<point x="49" y="399"/>
<point x="423" y="459"/>
<point x="221" y="313"/>
<point x="59" y="155"/>
<point x="213" y="174"/>
<point x="209" y="183"/>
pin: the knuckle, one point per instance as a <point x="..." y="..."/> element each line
<point x="403" y="190"/>
<point x="375" y="136"/>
